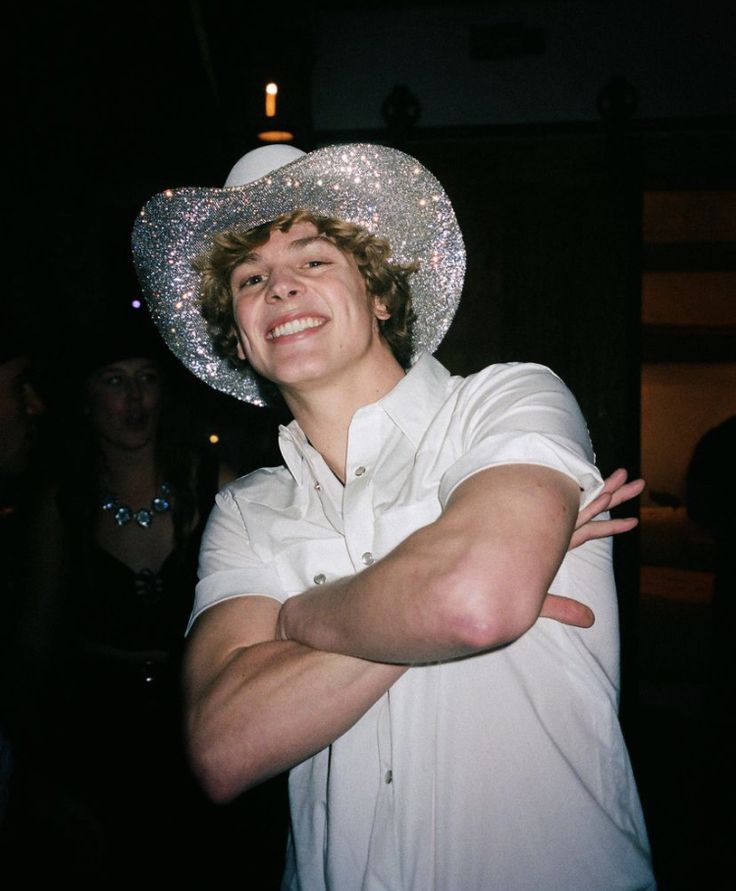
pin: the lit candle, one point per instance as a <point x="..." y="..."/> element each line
<point x="271" y="91"/>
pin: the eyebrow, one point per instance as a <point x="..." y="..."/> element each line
<point x="295" y="245"/>
<point x="309" y="239"/>
<point x="115" y="367"/>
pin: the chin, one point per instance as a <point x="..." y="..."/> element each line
<point x="297" y="377"/>
<point x="133" y="441"/>
<point x="292" y="372"/>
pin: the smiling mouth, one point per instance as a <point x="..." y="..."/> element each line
<point x="294" y="327"/>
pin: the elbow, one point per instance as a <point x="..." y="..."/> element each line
<point x="216" y="787"/>
<point x="486" y="629"/>
<point x="483" y="615"/>
<point x="216" y="791"/>
<point x="211" y="773"/>
<point x="219" y="774"/>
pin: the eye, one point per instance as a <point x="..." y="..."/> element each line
<point x="112" y="380"/>
<point x="250" y="281"/>
<point x="316" y="264"/>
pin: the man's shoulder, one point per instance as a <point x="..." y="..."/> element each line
<point x="518" y="377"/>
<point x="511" y="370"/>
<point x="263" y="486"/>
<point x="533" y="376"/>
<point x="518" y="401"/>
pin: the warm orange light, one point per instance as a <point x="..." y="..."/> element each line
<point x="214" y="438"/>
<point x="276" y="136"/>
<point x="272" y="132"/>
<point x="271" y="91"/>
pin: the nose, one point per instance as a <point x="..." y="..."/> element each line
<point x="134" y="390"/>
<point x="283" y="284"/>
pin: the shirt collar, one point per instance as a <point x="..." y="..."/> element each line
<point x="294" y="444"/>
<point x="417" y="397"/>
<point x="411" y="405"/>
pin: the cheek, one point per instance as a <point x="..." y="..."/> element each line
<point x="243" y="323"/>
<point x="104" y="408"/>
<point x="251" y="356"/>
<point x="239" y="348"/>
<point x="152" y="399"/>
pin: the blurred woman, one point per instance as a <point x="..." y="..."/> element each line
<point x="119" y="536"/>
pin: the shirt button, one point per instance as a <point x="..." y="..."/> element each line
<point x="317" y="486"/>
<point x="367" y="558"/>
<point x="320" y="579"/>
<point x="389" y="778"/>
<point x="359" y="471"/>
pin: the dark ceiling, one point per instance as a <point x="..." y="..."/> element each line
<point x="108" y="103"/>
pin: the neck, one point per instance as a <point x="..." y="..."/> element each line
<point x="324" y="412"/>
<point x="125" y="469"/>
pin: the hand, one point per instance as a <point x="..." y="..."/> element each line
<point x="615" y="491"/>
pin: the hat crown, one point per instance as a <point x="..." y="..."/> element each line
<point x="260" y="162"/>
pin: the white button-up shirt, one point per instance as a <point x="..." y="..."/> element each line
<point x="499" y="772"/>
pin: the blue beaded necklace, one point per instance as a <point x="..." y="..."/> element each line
<point x="124" y="514"/>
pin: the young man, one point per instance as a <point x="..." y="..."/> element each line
<point x="368" y="615"/>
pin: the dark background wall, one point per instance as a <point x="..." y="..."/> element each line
<point x="512" y="104"/>
<point x="107" y="103"/>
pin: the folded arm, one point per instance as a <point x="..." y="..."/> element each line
<point x="474" y="579"/>
<point x="257" y="706"/>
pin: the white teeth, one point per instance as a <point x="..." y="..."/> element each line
<point x="294" y="327"/>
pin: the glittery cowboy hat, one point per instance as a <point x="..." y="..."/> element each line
<point x="382" y="189"/>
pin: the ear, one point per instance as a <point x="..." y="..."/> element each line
<point x="241" y="351"/>
<point x="379" y="310"/>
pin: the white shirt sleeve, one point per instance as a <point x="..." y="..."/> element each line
<point x="228" y="564"/>
<point x="521" y="413"/>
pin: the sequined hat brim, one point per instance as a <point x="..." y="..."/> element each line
<point x="382" y="189"/>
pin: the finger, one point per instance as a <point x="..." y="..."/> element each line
<point x="567" y="611"/>
<point x="597" y="505"/>
<point x="627" y="492"/>
<point x="601" y="529"/>
<point x="615" y="480"/>
<point x="615" y="492"/>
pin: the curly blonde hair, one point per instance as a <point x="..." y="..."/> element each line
<point x="386" y="281"/>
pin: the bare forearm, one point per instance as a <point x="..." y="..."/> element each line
<point x="390" y="613"/>
<point x="473" y="580"/>
<point x="273" y="705"/>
